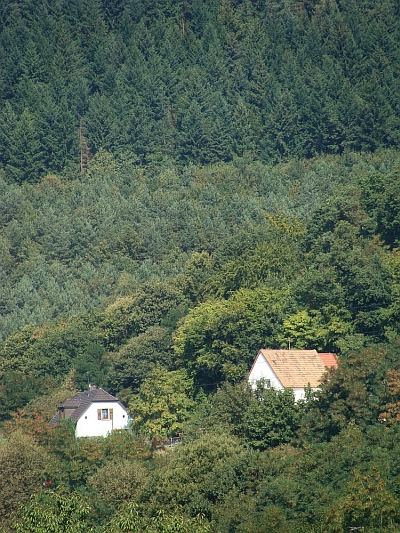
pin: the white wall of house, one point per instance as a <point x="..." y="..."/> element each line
<point x="89" y="424"/>
<point x="262" y="370"/>
<point x="299" y="394"/>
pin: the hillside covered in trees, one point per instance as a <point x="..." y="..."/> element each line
<point x="194" y="81"/>
<point x="182" y="184"/>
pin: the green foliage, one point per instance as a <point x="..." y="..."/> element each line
<point x="262" y="417"/>
<point x="24" y="467"/>
<point x="125" y="445"/>
<point x="151" y="305"/>
<point x="356" y="391"/>
<point x="73" y="460"/>
<point x="217" y="340"/>
<point x="54" y="512"/>
<point x="79" y="245"/>
<point x="272" y="418"/>
<point x="196" y="82"/>
<point x="163" y="403"/>
<point x="207" y="471"/>
<point x="17" y="389"/>
<point x="381" y="198"/>
<point x="367" y="503"/>
<point x="47" y="404"/>
<point x="119" y="481"/>
<point x="273" y="261"/>
<point x="128" y="519"/>
<point x="181" y="184"/>
<point x="359" y="279"/>
<point x="228" y="407"/>
<point x="54" y="351"/>
<point x="26" y="158"/>
<point x="130" y="366"/>
<point x="316" y="329"/>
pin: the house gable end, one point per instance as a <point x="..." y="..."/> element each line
<point x="291" y="369"/>
<point x="76" y="408"/>
<point x="296" y="368"/>
<point x="262" y="370"/>
<point x="90" y="424"/>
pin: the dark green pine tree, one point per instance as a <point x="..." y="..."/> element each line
<point x="14" y="36"/>
<point x="196" y="15"/>
<point x="218" y="130"/>
<point x="154" y="10"/>
<point x="262" y="96"/>
<point x="113" y="11"/>
<point x="284" y="128"/>
<point x="378" y="119"/>
<point x="243" y="131"/>
<point x="158" y="83"/>
<point x="99" y="121"/>
<point x="8" y="124"/>
<point x="69" y="71"/>
<point x="192" y="134"/>
<point x="26" y="161"/>
<point x="59" y="135"/>
<point x="32" y="65"/>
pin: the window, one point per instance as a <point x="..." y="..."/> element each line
<point x="104" y="414"/>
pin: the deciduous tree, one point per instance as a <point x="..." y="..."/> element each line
<point x="163" y="403"/>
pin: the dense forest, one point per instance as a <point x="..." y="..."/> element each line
<point x="183" y="183"/>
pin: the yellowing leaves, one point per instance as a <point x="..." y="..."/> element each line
<point x="293" y="226"/>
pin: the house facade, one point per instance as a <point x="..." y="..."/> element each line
<point x="294" y="369"/>
<point x="96" y="413"/>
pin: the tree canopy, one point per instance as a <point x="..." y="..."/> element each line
<point x="183" y="184"/>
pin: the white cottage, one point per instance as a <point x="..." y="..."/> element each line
<point x="295" y="369"/>
<point x="95" y="412"/>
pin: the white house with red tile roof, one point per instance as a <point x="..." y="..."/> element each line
<point x="294" y="369"/>
<point x="95" y="412"/>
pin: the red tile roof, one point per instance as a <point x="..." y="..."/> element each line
<point x="329" y="359"/>
<point x="299" y="368"/>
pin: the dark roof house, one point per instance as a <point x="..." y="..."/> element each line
<point x="95" y="413"/>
